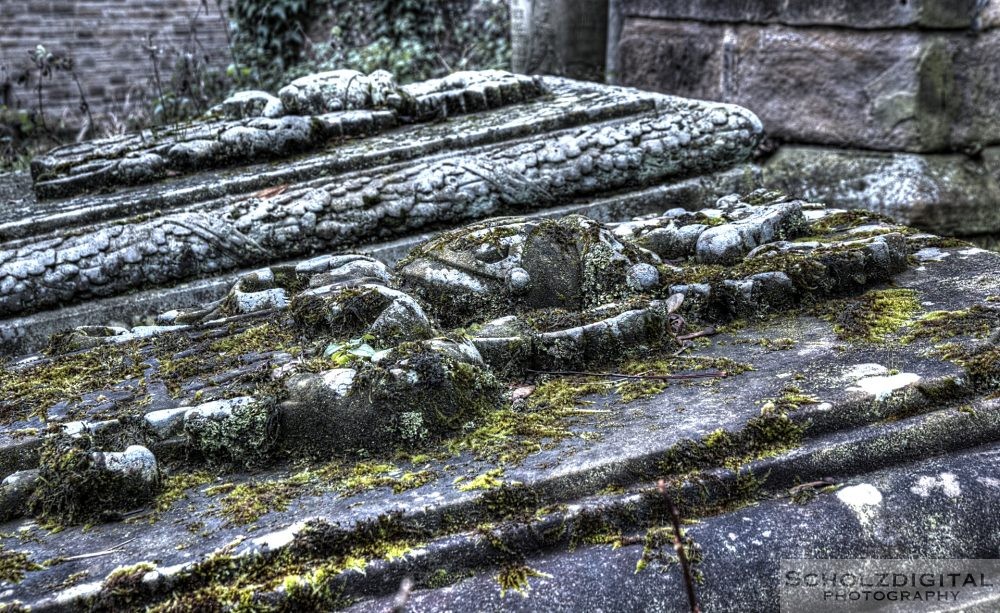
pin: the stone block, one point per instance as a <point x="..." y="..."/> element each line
<point x="946" y="193"/>
<point x="862" y="14"/>
<point x="886" y="90"/>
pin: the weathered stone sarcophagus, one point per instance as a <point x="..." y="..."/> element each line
<point x="332" y="407"/>
<point x="372" y="165"/>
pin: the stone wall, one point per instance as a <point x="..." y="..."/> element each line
<point x="885" y="104"/>
<point x="107" y="41"/>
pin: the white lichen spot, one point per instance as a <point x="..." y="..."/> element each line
<point x="989" y="481"/>
<point x="859" y="371"/>
<point x="946" y="482"/>
<point x="731" y="536"/>
<point x="339" y="380"/>
<point x="863" y="499"/>
<point x="278" y="539"/>
<point x="883" y="387"/>
<point x="930" y="254"/>
<point x="766" y="534"/>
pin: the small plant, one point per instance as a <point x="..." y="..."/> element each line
<point x="46" y="64"/>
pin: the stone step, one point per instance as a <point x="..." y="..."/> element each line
<point x="854" y="415"/>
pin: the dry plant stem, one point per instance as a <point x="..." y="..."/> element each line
<point x="709" y="331"/>
<point x="811" y="485"/>
<point x="675" y="519"/>
<point x="582" y="373"/>
<point x="85" y="556"/>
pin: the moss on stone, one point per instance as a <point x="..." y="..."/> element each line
<point x="72" y="490"/>
<point x="14" y="564"/>
<point x="123" y="587"/>
<point x="244" y="438"/>
<point x="658" y="541"/>
<point x="983" y="367"/>
<point x="770" y="433"/>
<point x="976" y="321"/>
<point x="517" y="578"/>
<point x="247" y="502"/>
<point x="507" y="436"/>
<point x="488" y="480"/>
<point x="265" y="337"/>
<point x="873" y="316"/>
<point x="365" y="476"/>
<point x="847" y="220"/>
<point x="33" y="390"/>
<point x="175" y="488"/>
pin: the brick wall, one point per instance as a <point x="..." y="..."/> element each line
<point x="106" y="39"/>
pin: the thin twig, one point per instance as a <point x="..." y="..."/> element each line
<point x="709" y="331"/>
<point x="792" y="491"/>
<point x="715" y="374"/>
<point x="85" y="556"/>
<point x="675" y="519"/>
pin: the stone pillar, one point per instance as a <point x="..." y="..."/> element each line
<point x="560" y="37"/>
<point x="879" y="104"/>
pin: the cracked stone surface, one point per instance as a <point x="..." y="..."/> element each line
<point x="486" y="409"/>
<point x="268" y="385"/>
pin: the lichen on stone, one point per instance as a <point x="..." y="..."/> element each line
<point x="873" y="316"/>
<point x="78" y="485"/>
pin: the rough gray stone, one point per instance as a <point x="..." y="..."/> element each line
<point x="675" y="140"/>
<point x="861" y="14"/>
<point x="338" y="90"/>
<point x="949" y="194"/>
<point x="861" y="428"/>
<point x="306" y="120"/>
<point x="572" y="263"/>
<point x="252" y="103"/>
<point x="883" y="89"/>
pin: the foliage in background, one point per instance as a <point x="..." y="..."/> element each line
<point x="413" y="39"/>
<point x="267" y="38"/>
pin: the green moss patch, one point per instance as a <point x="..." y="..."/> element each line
<point x="976" y="321"/>
<point x="266" y="337"/>
<point x="32" y="391"/>
<point x="770" y="433"/>
<point x="847" y="220"/>
<point x="176" y="487"/>
<point x="517" y="578"/>
<point x="247" y="502"/>
<point x="309" y="570"/>
<point x="245" y="438"/>
<point x="509" y="435"/>
<point x="71" y="490"/>
<point x="14" y="564"/>
<point x="873" y="316"/>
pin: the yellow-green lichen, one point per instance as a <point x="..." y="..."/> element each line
<point x="846" y="220"/>
<point x="175" y="488"/>
<point x="660" y="539"/>
<point x="976" y="321"/>
<point x="488" y="480"/>
<point x="266" y="337"/>
<point x="517" y="578"/>
<point x="33" y="390"/>
<point x="247" y="502"/>
<point x="14" y="564"/>
<point x="873" y="316"/>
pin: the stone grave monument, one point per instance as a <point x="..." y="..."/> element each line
<point x="468" y="344"/>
